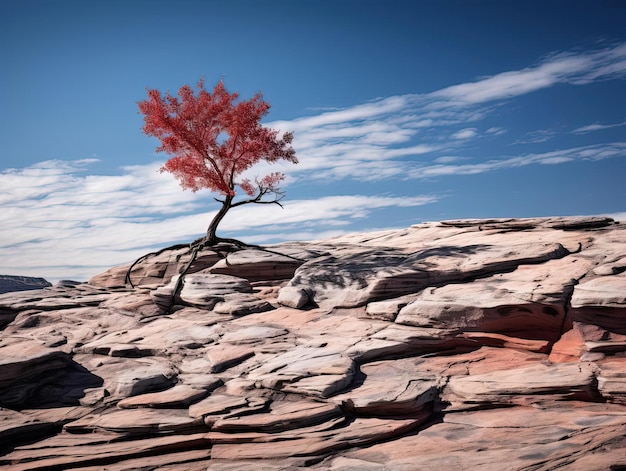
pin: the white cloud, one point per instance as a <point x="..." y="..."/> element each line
<point x="578" y="69"/>
<point x="372" y="141"/>
<point x="496" y="131"/>
<point x="594" y="152"/>
<point x="466" y="133"/>
<point x="75" y="225"/>
<point x="536" y="137"/>
<point x="597" y="127"/>
<point x="60" y="221"/>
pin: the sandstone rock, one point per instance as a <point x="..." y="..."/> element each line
<point x="390" y="390"/>
<point x="103" y="452"/>
<point x="52" y="299"/>
<point x="258" y="264"/>
<point x="308" y="443"/>
<point x="293" y="297"/>
<point x="224" y="356"/>
<point x="136" y="421"/>
<point x="608" y="291"/>
<point x="524" y="385"/>
<point x="280" y="416"/>
<point x="310" y="371"/>
<point x="521" y="437"/>
<point x="254" y="334"/>
<point x="612" y="380"/>
<point x="124" y="377"/>
<point x="177" y="397"/>
<point x="576" y="343"/>
<point x="241" y="304"/>
<point x="205" y="289"/>
<point x="368" y="275"/>
<point x="218" y="404"/>
<point x="464" y="344"/>
<point x="388" y="310"/>
<point x="601" y="301"/>
<point x="153" y="269"/>
<point x="24" y="368"/>
<point x="14" y="425"/>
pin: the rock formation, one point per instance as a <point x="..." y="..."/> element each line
<point x="9" y="283"/>
<point x="471" y="344"/>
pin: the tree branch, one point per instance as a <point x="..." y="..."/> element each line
<point x="258" y="199"/>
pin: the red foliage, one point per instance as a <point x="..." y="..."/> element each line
<point x="214" y="137"/>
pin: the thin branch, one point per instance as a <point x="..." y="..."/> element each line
<point x="258" y="199"/>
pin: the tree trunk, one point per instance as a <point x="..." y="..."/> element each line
<point x="211" y="233"/>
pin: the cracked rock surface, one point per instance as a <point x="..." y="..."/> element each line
<point x="470" y="344"/>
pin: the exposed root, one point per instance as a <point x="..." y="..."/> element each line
<point x="127" y="278"/>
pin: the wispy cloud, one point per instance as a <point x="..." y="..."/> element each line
<point x="535" y="137"/>
<point x="59" y="221"/>
<point x="568" y="67"/>
<point x="373" y="141"/>
<point x="594" y="152"/>
<point x="597" y="127"/>
<point x="62" y="221"/>
<point x="496" y="131"/>
<point x="466" y="133"/>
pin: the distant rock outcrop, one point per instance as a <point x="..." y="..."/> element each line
<point x="471" y="344"/>
<point x="9" y="283"/>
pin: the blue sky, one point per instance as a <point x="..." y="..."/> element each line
<point x="403" y="112"/>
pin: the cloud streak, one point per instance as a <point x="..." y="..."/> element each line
<point x="60" y="220"/>
<point x="597" y="127"/>
<point x="588" y="153"/>
<point x="372" y="141"/>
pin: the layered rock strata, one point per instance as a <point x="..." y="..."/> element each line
<point x="474" y="344"/>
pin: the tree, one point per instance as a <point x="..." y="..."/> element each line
<point x="214" y="138"/>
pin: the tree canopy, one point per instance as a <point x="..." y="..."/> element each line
<point x="213" y="138"/>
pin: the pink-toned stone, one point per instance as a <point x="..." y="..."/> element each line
<point x="136" y="421"/>
<point x="358" y="433"/>
<point x="456" y="347"/>
<point x="72" y="456"/>
<point x="178" y="396"/>
<point x="257" y="264"/>
<point x="533" y="384"/>
<point x="280" y="416"/>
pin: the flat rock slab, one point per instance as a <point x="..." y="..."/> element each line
<point x="390" y="390"/>
<point x="313" y="443"/>
<point x="124" y="377"/>
<point x="529" y="302"/>
<point x="223" y="356"/>
<point x="205" y="289"/>
<point x="15" y="425"/>
<point x="281" y="416"/>
<point x="21" y="361"/>
<point x="180" y="396"/>
<point x="609" y="291"/>
<point x="536" y="383"/>
<point x="309" y="370"/>
<point x="521" y="437"/>
<point x="77" y="456"/>
<point x="136" y="421"/>
<point x="370" y="275"/>
<point x="612" y="380"/>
